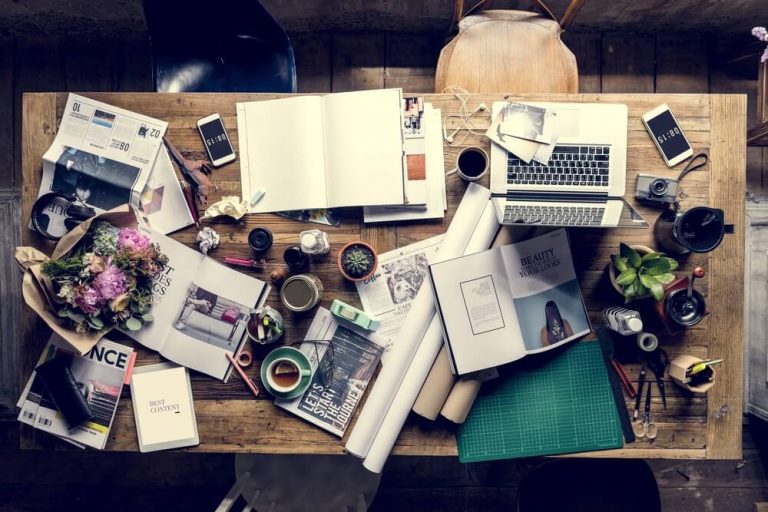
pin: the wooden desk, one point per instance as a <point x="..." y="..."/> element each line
<point x="230" y="420"/>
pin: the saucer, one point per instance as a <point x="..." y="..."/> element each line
<point x="297" y="357"/>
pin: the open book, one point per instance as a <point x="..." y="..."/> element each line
<point x="201" y="309"/>
<point x="499" y="305"/>
<point x="306" y="152"/>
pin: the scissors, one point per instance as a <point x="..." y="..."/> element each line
<point x="657" y="362"/>
<point x="646" y="429"/>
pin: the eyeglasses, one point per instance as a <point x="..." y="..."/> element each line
<point x="325" y="366"/>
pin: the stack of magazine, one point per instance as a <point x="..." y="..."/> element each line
<point x="99" y="374"/>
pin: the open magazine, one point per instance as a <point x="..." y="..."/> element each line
<point x="106" y="156"/>
<point x="100" y="374"/>
<point x="342" y="366"/>
<point x="201" y="309"/>
<point x="499" y="305"/>
<point x="388" y="294"/>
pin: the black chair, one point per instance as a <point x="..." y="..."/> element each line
<point x="594" y="485"/>
<point x="218" y="46"/>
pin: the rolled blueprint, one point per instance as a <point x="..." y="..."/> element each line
<point x="481" y="236"/>
<point x="382" y="411"/>
<point x="463" y="394"/>
<point x="436" y="388"/>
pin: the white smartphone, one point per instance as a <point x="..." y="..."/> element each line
<point x="667" y="134"/>
<point x="216" y="140"/>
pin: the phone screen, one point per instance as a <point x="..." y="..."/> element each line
<point x="216" y="139"/>
<point x="668" y="135"/>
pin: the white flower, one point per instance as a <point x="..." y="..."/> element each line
<point x="761" y="33"/>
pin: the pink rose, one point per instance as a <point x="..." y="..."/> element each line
<point x="132" y="240"/>
<point x="111" y="282"/>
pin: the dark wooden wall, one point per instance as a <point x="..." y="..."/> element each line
<point x="65" y="479"/>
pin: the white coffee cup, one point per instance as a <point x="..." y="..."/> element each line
<point x="283" y="386"/>
<point x="471" y="164"/>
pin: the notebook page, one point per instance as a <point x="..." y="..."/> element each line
<point x="281" y="152"/>
<point x="364" y="148"/>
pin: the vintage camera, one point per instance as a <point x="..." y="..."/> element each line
<point x="655" y="189"/>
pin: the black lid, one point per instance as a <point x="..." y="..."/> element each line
<point x="260" y="239"/>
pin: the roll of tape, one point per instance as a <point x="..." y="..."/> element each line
<point x="244" y="359"/>
<point x="647" y="341"/>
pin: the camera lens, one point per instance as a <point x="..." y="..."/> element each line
<point x="658" y="187"/>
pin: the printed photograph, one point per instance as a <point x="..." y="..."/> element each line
<point x="212" y="319"/>
<point x="550" y="317"/>
<point x="104" y="119"/>
<point x="413" y="116"/>
<point x="405" y="276"/>
<point x="523" y="121"/>
<point x="97" y="181"/>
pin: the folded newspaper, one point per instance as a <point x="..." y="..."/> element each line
<point x="107" y="156"/>
<point x="100" y="374"/>
<point x="342" y="364"/>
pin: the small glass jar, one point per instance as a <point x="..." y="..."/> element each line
<point x="314" y="242"/>
<point x="301" y="292"/>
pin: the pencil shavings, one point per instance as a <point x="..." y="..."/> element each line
<point x="231" y="206"/>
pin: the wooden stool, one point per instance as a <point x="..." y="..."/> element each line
<point x="509" y="51"/>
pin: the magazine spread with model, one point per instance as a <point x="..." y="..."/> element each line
<point x="99" y="375"/>
<point x="346" y="149"/>
<point x="201" y="309"/>
<point x="105" y="156"/>
<point x="343" y="361"/>
<point x="499" y="305"/>
<point x="388" y="294"/>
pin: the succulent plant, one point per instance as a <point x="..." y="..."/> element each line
<point x="357" y="261"/>
<point x="638" y="275"/>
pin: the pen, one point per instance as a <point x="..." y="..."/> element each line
<point x="248" y="381"/>
<point x="640" y="393"/>
<point x="246" y="263"/>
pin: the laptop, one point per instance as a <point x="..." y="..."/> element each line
<point x="583" y="183"/>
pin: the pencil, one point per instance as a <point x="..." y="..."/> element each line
<point x="248" y="381"/>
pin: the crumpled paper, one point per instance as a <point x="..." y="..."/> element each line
<point x="207" y="239"/>
<point x="231" y="206"/>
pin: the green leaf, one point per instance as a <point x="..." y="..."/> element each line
<point x="63" y="312"/>
<point x="148" y="317"/>
<point x="633" y="258"/>
<point x="657" y="291"/>
<point x="96" y="322"/>
<point x="75" y="317"/>
<point x="626" y="277"/>
<point x="658" y="266"/>
<point x="647" y="280"/>
<point x="133" y="324"/>
<point x="630" y="292"/>
<point x="640" y="288"/>
<point x="650" y="256"/>
<point x="673" y="264"/>
<point x="619" y="263"/>
<point x="665" y="278"/>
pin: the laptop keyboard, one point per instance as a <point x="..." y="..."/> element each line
<point x="554" y="215"/>
<point x="585" y="166"/>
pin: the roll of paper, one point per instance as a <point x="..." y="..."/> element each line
<point x="436" y="388"/>
<point x="479" y="238"/>
<point x="401" y="370"/>
<point x="463" y="394"/>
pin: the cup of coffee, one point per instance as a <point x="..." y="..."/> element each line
<point x="472" y="163"/>
<point x="286" y="372"/>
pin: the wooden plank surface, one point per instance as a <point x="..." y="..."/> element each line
<point x="229" y="420"/>
<point x="628" y="63"/>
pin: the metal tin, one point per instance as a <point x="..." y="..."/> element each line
<point x="301" y="292"/>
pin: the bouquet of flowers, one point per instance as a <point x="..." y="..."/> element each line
<point x="106" y="279"/>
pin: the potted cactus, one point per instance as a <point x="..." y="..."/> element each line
<point x="638" y="271"/>
<point x="357" y="261"/>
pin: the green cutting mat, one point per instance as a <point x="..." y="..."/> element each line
<point x="558" y="404"/>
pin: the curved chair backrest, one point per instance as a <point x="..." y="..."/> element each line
<point x="509" y="51"/>
<point x="220" y="46"/>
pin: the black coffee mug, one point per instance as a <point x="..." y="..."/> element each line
<point x="699" y="229"/>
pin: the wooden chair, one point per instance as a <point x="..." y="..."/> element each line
<point x="509" y="51"/>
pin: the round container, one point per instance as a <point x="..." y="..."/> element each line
<point x="700" y="229"/>
<point x="685" y="311"/>
<point x="295" y="259"/>
<point x="261" y="334"/>
<point x="301" y="292"/>
<point x="314" y="242"/>
<point x="260" y="239"/>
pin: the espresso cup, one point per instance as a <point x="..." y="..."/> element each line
<point x="471" y="164"/>
<point x="286" y="372"/>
